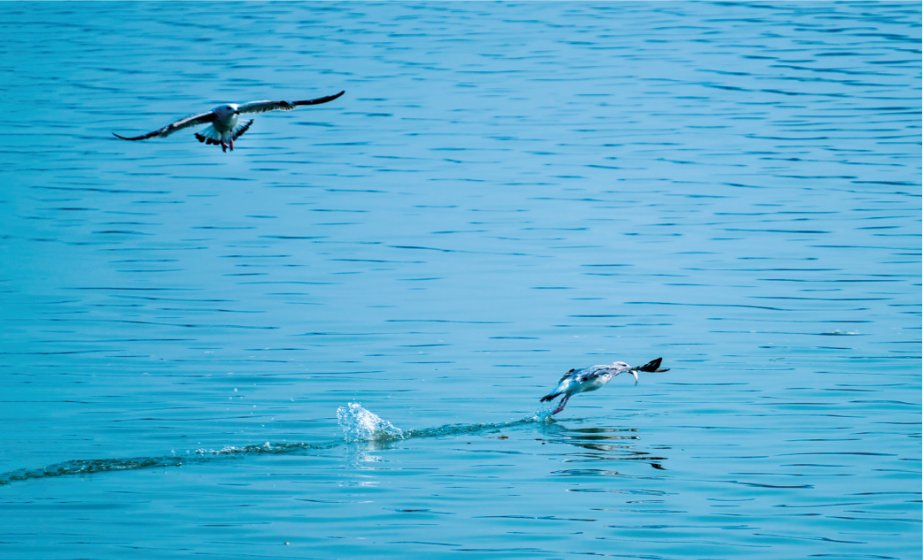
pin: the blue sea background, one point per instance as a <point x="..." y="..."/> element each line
<point x="505" y="191"/>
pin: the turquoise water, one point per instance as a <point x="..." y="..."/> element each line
<point x="331" y="342"/>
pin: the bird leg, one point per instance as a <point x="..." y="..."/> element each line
<point x="224" y="146"/>
<point x="561" y="405"/>
<point x="232" y="143"/>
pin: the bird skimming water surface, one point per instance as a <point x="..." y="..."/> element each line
<point x="593" y="377"/>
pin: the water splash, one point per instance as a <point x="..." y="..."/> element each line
<point x="545" y="416"/>
<point x="360" y="424"/>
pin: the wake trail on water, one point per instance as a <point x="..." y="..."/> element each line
<point x="360" y="424"/>
<point x="357" y="423"/>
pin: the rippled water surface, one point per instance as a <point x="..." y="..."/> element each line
<point x="331" y="342"/>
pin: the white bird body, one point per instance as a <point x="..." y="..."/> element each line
<point x="224" y="121"/>
<point x="592" y="378"/>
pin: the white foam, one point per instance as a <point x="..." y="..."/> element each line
<point x="361" y="424"/>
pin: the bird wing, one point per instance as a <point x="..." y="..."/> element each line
<point x="593" y="372"/>
<point x="266" y="105"/>
<point x="588" y="374"/>
<point x="173" y="127"/>
<point x="567" y="374"/>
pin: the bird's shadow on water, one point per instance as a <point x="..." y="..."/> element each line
<point x="599" y="443"/>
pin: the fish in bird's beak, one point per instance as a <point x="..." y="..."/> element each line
<point x="634" y="374"/>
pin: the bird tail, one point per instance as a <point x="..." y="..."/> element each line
<point x="548" y="397"/>
<point x="240" y="129"/>
<point x="652" y="366"/>
<point x="209" y="135"/>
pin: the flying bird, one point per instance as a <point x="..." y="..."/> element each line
<point x="593" y="377"/>
<point x="224" y="126"/>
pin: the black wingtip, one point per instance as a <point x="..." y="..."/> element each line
<point x="652" y="366"/>
<point x="319" y="100"/>
<point x="330" y="98"/>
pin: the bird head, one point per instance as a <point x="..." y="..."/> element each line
<point x="225" y="111"/>
<point x="622" y="367"/>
